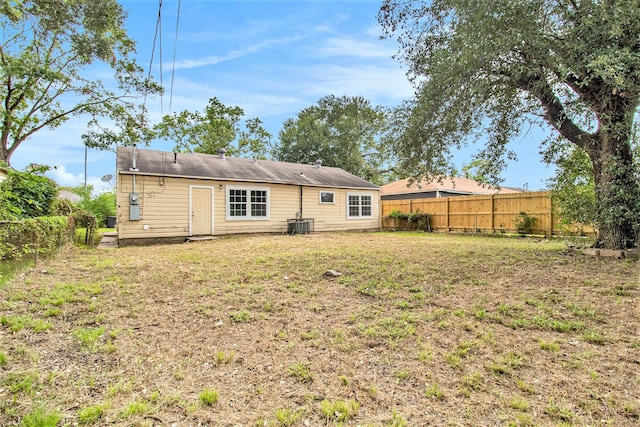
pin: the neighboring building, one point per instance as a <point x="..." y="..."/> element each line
<point x="163" y="195"/>
<point x="68" y="195"/>
<point x="449" y="187"/>
<point x="3" y="173"/>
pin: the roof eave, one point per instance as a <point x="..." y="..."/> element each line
<point x="225" y="179"/>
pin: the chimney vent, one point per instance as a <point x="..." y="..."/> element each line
<point x="221" y="153"/>
<point x="318" y="163"/>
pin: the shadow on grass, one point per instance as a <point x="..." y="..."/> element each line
<point x="9" y="268"/>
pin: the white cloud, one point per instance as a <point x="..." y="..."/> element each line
<point x="64" y="178"/>
<point x="234" y="54"/>
<point x="347" y="46"/>
<point x="382" y="85"/>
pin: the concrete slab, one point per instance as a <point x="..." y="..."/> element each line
<point x="591" y="252"/>
<point x="109" y="240"/>
<point x="199" y="238"/>
<point x="612" y="253"/>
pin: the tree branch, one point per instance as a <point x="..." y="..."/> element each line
<point x="554" y="111"/>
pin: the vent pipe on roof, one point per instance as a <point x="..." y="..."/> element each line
<point x="221" y="153"/>
<point x="318" y="163"/>
<point x="135" y="159"/>
<point x="175" y="157"/>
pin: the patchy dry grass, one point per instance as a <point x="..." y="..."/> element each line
<point x="422" y="329"/>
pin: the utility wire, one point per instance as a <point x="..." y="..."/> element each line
<point x="153" y="50"/>
<point x="160" y="56"/>
<point x="175" y="49"/>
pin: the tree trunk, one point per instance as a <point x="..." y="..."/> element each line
<point x="617" y="193"/>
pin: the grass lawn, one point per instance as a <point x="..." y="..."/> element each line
<point x="421" y="329"/>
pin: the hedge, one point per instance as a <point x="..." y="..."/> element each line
<point x="41" y="236"/>
<point x="409" y="221"/>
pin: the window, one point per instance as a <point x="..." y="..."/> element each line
<point x="359" y="206"/>
<point x="247" y="203"/>
<point x="327" y="197"/>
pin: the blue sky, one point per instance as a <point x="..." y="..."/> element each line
<point x="272" y="59"/>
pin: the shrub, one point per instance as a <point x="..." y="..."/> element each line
<point x="26" y="195"/>
<point x="101" y="206"/>
<point x="413" y="220"/>
<point x="33" y="236"/>
<point x="524" y="223"/>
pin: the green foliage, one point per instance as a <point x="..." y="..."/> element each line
<point x="91" y="414"/>
<point x="21" y="382"/>
<point x="33" y="237"/>
<point x="343" y="132"/>
<point x="47" y="47"/>
<point x="572" y="64"/>
<point x="409" y="221"/>
<point x="242" y="316"/>
<point x="208" y="397"/>
<point x="96" y="206"/>
<point x="89" y="337"/>
<point x="41" y="417"/>
<point x="525" y="223"/>
<point x="101" y="206"/>
<point x="138" y="407"/>
<point x="434" y="391"/>
<point x="573" y="188"/>
<point x="301" y="372"/>
<point x="339" y="410"/>
<point x="17" y="323"/>
<point x="287" y="417"/>
<point x="26" y="195"/>
<point x="217" y="127"/>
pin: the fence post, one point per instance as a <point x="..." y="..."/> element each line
<point x="492" y="211"/>
<point x="446" y="212"/>
<point x="550" y="230"/>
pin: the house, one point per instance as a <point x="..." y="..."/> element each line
<point x="448" y="187"/>
<point x="176" y="196"/>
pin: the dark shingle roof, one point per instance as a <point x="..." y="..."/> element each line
<point x="208" y="166"/>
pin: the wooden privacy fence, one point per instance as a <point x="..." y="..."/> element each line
<point x="486" y="213"/>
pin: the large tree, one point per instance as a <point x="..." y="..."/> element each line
<point x="50" y="52"/>
<point x="483" y="68"/>
<point x="218" y="126"/>
<point x="343" y="132"/>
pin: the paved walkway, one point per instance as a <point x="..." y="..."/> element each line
<point x="109" y="240"/>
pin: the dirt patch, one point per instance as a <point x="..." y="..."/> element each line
<point x="420" y="329"/>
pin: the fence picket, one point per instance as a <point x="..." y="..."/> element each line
<point x="485" y="213"/>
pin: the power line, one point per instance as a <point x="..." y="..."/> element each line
<point x="160" y="56"/>
<point x="175" y="49"/>
<point x="153" y="50"/>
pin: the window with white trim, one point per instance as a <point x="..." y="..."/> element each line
<point x="327" y="197"/>
<point x="247" y="202"/>
<point x="359" y="206"/>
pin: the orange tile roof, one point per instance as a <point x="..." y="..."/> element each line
<point x="457" y="185"/>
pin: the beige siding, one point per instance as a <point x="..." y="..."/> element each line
<point x="164" y="208"/>
<point x="333" y="217"/>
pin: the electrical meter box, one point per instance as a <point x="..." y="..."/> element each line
<point x="134" y="207"/>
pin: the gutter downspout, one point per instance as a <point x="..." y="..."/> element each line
<point x="301" y="201"/>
